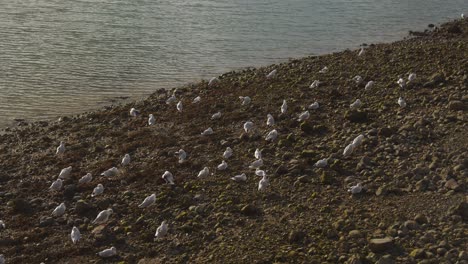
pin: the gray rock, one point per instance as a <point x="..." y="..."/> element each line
<point x="411" y="225"/>
<point x="386" y="259"/>
<point x="456" y="105"/>
<point x="452" y="184"/>
<point x="46" y="221"/>
<point x="378" y="245"/>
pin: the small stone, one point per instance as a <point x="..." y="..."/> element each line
<point x="355" y="259"/>
<point x="411" y="225"/>
<point x="356" y="116"/>
<point x="250" y="210"/>
<point x="456" y="105"/>
<point x="452" y="184"/>
<point x="354" y="234"/>
<point x="441" y="251"/>
<point x="386" y="259"/>
<point x="418" y="253"/>
<point x="69" y="191"/>
<point x="296" y="236"/>
<point x="378" y="245"/>
<point x="45" y="221"/>
<point x="463" y="255"/>
<point x="82" y="207"/>
<point x="20" y="205"/>
<point x="421" y="219"/>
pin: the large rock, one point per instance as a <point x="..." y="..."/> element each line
<point x="456" y="105"/>
<point x="378" y="245"/>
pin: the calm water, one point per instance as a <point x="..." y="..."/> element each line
<point x="62" y="56"/>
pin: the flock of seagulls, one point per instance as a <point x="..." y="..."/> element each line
<point x="168" y="177"/>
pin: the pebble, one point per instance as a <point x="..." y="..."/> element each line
<point x="378" y="245"/>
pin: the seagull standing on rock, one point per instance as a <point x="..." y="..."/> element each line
<point x="315" y="84"/>
<point x="361" y="52"/>
<point x="182" y="155"/>
<point x="103" y="216"/>
<point x="248" y="126"/>
<point x="168" y="177"/>
<point x="272" y="135"/>
<point x="216" y="116"/>
<point x="369" y="85"/>
<point x="196" y="100"/>
<point x="245" y="100"/>
<point x="355" y="189"/>
<point x="411" y="77"/>
<point x="256" y="164"/>
<point x="315" y="105"/>
<point x="2" y="224"/>
<point x="263" y="184"/>
<point x="303" y="116"/>
<point x="222" y="166"/>
<point x="207" y="132"/>
<point x="260" y="172"/>
<point x="321" y="163"/>
<point x="107" y="253"/>
<point x="126" y="160"/>
<point x="171" y="99"/>
<point x="134" y="112"/>
<point x="151" y="120"/>
<point x="179" y="106"/>
<point x="358" y="140"/>
<point x="356" y="105"/>
<point x="161" y="231"/>
<point x="272" y="74"/>
<point x="56" y="185"/>
<point x="348" y="150"/>
<point x="227" y="153"/>
<point x="324" y="70"/>
<point x="213" y="81"/>
<point x="75" y="235"/>
<point x="148" y="201"/>
<point x="401" y="102"/>
<point x="270" y="120"/>
<point x="60" y="148"/>
<point x="203" y="173"/>
<point x="401" y="83"/>
<point x="59" y="210"/>
<point x="99" y="189"/>
<point x="111" y="172"/>
<point x="284" y="107"/>
<point x="258" y="154"/>
<point x="65" y="173"/>
<point x="239" y="178"/>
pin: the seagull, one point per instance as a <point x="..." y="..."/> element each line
<point x="179" y="106"/>
<point x="369" y="85"/>
<point x="324" y="70"/>
<point x="260" y="172"/>
<point x="315" y="84"/>
<point x="272" y="135"/>
<point x="348" y="150"/>
<point x="148" y="201"/>
<point x="401" y="82"/>
<point x="61" y="148"/>
<point x="2" y="224"/>
<point x="103" y="216"/>
<point x="358" y="140"/>
<point x="358" y="79"/>
<point x="161" y="231"/>
<point x="216" y="116"/>
<point x="205" y="172"/>
<point x="65" y="173"/>
<point x="248" y="126"/>
<point x="182" y="155"/>
<point x="355" y="189"/>
<point x="99" y="189"/>
<point x="258" y="154"/>
<point x="171" y="99"/>
<point x="111" y="172"/>
<point x="263" y="184"/>
<point x="256" y="164"/>
<point x="270" y="120"/>
<point x="126" y="160"/>
<point x="168" y="177"/>
<point x="227" y="153"/>
<point x="314" y="106"/>
<point x="321" y="163"/>
<point x="107" y="253"/>
<point x="213" y="81"/>
<point x="85" y="179"/>
<point x="411" y="77"/>
<point x="223" y="165"/>
<point x="2" y="259"/>
<point x="59" y="210"/>
<point x="75" y="235"/>
<point x="134" y="112"/>
<point x="196" y="100"/>
<point x="56" y="185"/>
<point x="207" y="132"/>
<point x="239" y="178"/>
<point x="151" y="120"/>
<point x="402" y="102"/>
<point x="356" y="105"/>
<point x="245" y="100"/>
<point x="272" y="74"/>
<point x="361" y="52"/>
<point x="303" y="116"/>
<point x="284" y="107"/>
<point x="463" y="16"/>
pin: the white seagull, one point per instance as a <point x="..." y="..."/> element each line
<point x="245" y="100"/>
<point x="358" y="79"/>
<point x="303" y="116"/>
<point x="284" y="107"/>
<point x="369" y="85"/>
<point x="256" y="164"/>
<point x="260" y="172"/>
<point x="356" y="105"/>
<point x="272" y="74"/>
<point x="401" y="83"/>
<point x="60" y="148"/>
<point x="248" y="126"/>
<point x="355" y="189"/>
<point x="207" y="132"/>
<point x="401" y="102"/>
<point x="59" y="210"/>
<point x="213" y="81"/>
<point x="361" y="52"/>
<point x="107" y="253"/>
<point x="348" y="150"/>
<point x="2" y="224"/>
<point x="263" y="184"/>
<point x="196" y="100"/>
<point x="203" y="173"/>
<point x="272" y="135"/>
<point x="148" y="201"/>
<point x="134" y="112"/>
<point x="321" y="163"/>
<point x="239" y="178"/>
<point x="126" y="160"/>
<point x="171" y="99"/>
<point x="315" y="105"/>
<point x="411" y="77"/>
<point x="151" y="120"/>
<point x="258" y="154"/>
<point x="463" y="16"/>
<point x="358" y="140"/>
<point x="168" y="177"/>
<point x="270" y="120"/>
<point x="216" y="116"/>
<point x="324" y="70"/>
<point x="103" y="216"/>
<point x="65" y="173"/>
<point x="56" y="185"/>
<point x="99" y="189"/>
<point x="75" y="235"/>
<point x="111" y="172"/>
<point x="182" y="155"/>
<point x="315" y="84"/>
<point x="179" y="106"/>
<point x="223" y="165"/>
<point x="161" y="231"/>
<point x="227" y="153"/>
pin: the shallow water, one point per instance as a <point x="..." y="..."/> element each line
<point x="60" y="57"/>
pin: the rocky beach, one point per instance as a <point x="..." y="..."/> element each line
<point x="412" y="164"/>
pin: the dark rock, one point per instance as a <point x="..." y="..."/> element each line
<point x="104" y="204"/>
<point x="418" y="253"/>
<point x="378" y="245"/>
<point x="46" y="221"/>
<point x="461" y="210"/>
<point x="456" y="105"/>
<point x="69" y="191"/>
<point x="421" y="219"/>
<point x="454" y="29"/>
<point x="356" y="116"/>
<point x="422" y="185"/>
<point x="82" y="208"/>
<point x="386" y="259"/>
<point x="411" y="225"/>
<point x="250" y="210"/>
<point x="21" y="206"/>
<point x="296" y="236"/>
<point x="452" y="184"/>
